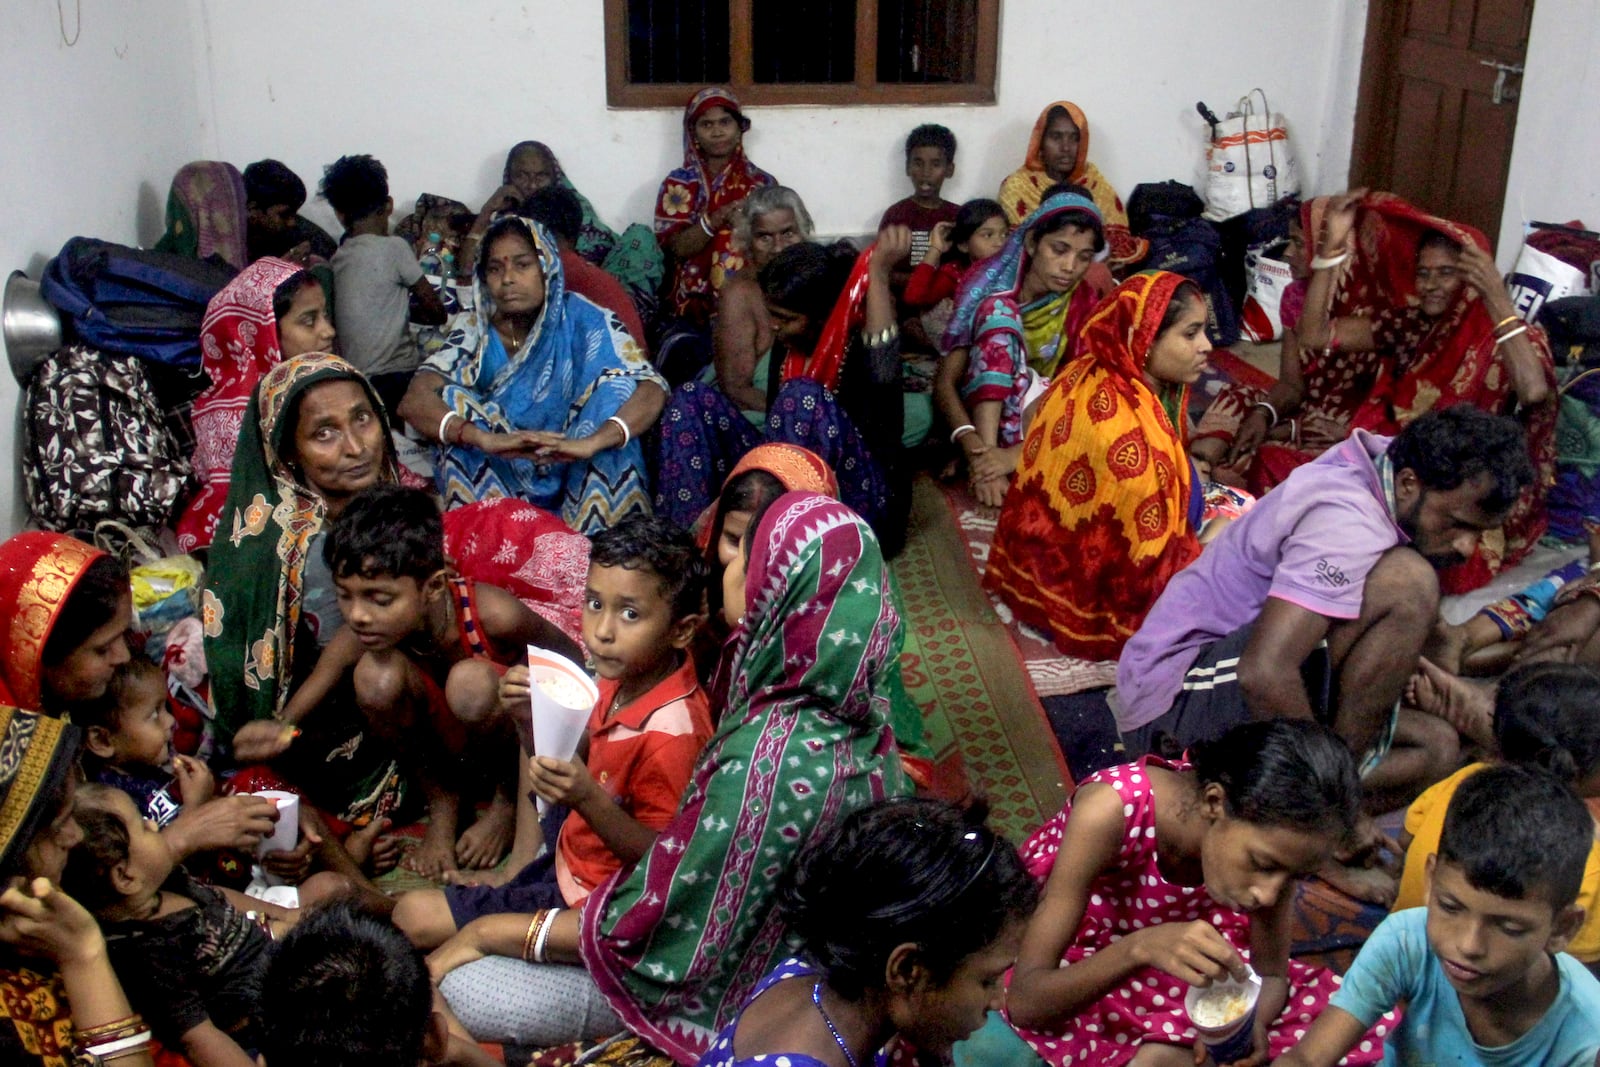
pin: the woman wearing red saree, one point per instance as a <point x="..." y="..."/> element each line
<point x="695" y="206"/>
<point x="67" y="606"/>
<point x="1448" y="335"/>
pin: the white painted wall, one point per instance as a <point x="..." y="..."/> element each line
<point x="93" y="134"/>
<point x="1555" y="160"/>
<point x="369" y="76"/>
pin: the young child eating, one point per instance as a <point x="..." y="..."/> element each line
<point x="1482" y="969"/>
<point x="433" y="646"/>
<point x="189" y="955"/>
<point x="643" y="603"/>
<point x="128" y="745"/>
<point x="1163" y="876"/>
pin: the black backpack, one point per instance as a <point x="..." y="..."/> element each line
<point x="96" y="446"/>
<point x="132" y="302"/>
<point x="1191" y="247"/>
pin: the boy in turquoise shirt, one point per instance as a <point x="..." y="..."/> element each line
<point x="1480" y="969"/>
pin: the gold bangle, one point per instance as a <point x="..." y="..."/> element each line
<point x="527" y="938"/>
<point x="1507" y="321"/>
<point x="129" y="1022"/>
<point x="535" y="924"/>
<point x="1501" y="339"/>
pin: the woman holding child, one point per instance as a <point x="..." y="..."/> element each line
<point x="536" y="393"/>
<point x="671" y="947"/>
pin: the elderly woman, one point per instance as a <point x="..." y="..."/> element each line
<point x="59" y="997"/>
<point x="669" y="947"/>
<point x="536" y="393"/>
<point x="773" y="218"/>
<point x="1106" y="506"/>
<point x="695" y="206"/>
<point x="1058" y="151"/>
<point x="314" y="436"/>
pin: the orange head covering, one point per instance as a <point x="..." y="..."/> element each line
<point x="37" y="573"/>
<point x="799" y="470"/>
<point x="1035" y="160"/>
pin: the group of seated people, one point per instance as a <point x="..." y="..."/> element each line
<point x="732" y="866"/>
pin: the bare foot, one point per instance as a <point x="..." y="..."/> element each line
<point x="1467" y="706"/>
<point x="486" y="841"/>
<point x="1373" y="885"/>
<point x="435" y="856"/>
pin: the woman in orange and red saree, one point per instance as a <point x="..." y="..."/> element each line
<point x="1106" y="506"/>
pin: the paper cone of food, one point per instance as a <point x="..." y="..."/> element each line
<point x="1224" y="1014"/>
<point x="562" y="695"/>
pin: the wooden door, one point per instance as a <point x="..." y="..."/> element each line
<point x="1437" y="108"/>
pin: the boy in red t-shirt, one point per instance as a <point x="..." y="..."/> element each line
<point x="644" y="601"/>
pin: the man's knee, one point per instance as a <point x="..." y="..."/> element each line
<point x="1402" y="583"/>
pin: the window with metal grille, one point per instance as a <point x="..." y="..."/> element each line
<point x="660" y="52"/>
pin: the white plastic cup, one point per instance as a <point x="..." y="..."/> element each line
<point x="286" y="832"/>
<point x="1235" y="1039"/>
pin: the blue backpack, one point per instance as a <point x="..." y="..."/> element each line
<point x="128" y="301"/>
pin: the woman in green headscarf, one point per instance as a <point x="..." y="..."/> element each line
<point x="314" y="435"/>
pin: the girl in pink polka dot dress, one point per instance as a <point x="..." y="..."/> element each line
<point x="1174" y="875"/>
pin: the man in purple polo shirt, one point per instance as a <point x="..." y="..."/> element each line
<point x="1318" y="601"/>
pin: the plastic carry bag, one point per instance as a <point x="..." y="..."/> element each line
<point x="1539" y="278"/>
<point x="1250" y="162"/>
<point x="1261" y="318"/>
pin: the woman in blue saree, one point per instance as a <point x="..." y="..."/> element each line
<point x="537" y="393"/>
